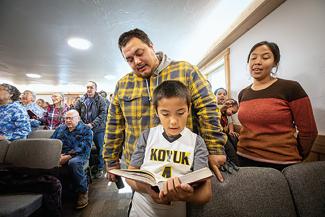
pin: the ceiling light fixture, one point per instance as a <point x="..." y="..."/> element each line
<point x="79" y="43"/>
<point x="30" y="75"/>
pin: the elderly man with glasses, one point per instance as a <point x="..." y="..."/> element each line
<point x="77" y="139"/>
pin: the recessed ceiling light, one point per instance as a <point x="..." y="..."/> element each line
<point x="110" y="77"/>
<point x="33" y="75"/>
<point x="79" y="43"/>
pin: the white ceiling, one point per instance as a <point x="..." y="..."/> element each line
<point x="33" y="36"/>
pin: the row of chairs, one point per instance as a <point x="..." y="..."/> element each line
<point x="40" y="154"/>
<point x="47" y="134"/>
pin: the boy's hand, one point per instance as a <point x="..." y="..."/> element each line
<point x="174" y="190"/>
<point x="155" y="196"/>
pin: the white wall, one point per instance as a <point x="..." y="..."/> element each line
<point x="298" y="27"/>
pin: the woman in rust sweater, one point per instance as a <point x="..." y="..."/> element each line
<point x="278" y="125"/>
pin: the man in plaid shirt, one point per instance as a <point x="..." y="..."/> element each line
<point x="132" y="111"/>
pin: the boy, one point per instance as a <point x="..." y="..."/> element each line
<point x="169" y="150"/>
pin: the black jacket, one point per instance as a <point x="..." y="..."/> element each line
<point x="98" y="112"/>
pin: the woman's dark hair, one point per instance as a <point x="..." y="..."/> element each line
<point x="274" y="49"/>
<point x="169" y="89"/>
<point x="220" y="88"/>
<point x="134" y="33"/>
<point x="12" y="90"/>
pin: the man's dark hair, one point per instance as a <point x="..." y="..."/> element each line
<point x="169" y="89"/>
<point x="94" y="83"/>
<point x="134" y="33"/>
<point x="12" y="90"/>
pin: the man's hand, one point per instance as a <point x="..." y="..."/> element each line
<point x="64" y="158"/>
<point x="2" y="137"/>
<point x="215" y="162"/>
<point x="109" y="176"/>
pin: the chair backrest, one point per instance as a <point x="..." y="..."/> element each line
<point x="252" y="192"/>
<point x="307" y="185"/>
<point x="46" y="134"/>
<point x="34" y="153"/>
<point x="4" y="145"/>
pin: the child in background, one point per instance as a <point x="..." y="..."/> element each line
<point x="180" y="151"/>
<point x="222" y="96"/>
<point x="227" y="110"/>
<point x="230" y="108"/>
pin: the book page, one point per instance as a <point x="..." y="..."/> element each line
<point x="136" y="174"/>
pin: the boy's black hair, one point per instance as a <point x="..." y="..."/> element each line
<point x="134" y="33"/>
<point x="169" y="89"/>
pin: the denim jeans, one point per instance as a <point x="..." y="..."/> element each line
<point x="80" y="178"/>
<point x="99" y="141"/>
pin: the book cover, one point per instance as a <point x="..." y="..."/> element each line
<point x="150" y="178"/>
<point x="31" y="114"/>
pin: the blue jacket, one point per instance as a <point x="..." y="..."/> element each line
<point x="78" y="141"/>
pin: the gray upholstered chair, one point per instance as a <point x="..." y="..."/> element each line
<point x="29" y="153"/>
<point x="307" y="185"/>
<point x="46" y="134"/>
<point x="250" y="192"/>
<point x="19" y="205"/>
<point x="34" y="153"/>
<point x="4" y="145"/>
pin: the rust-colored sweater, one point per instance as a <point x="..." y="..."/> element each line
<point x="270" y="119"/>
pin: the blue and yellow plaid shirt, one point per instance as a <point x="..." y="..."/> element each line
<point x="131" y="110"/>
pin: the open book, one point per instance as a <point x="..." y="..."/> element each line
<point x="149" y="178"/>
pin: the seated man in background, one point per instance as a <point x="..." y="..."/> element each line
<point x="77" y="139"/>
